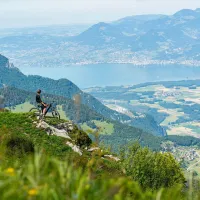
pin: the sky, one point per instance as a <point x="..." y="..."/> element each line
<point x="23" y="13"/>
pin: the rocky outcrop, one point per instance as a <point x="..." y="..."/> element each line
<point x="53" y="131"/>
<point x="112" y="157"/>
<point x="67" y="126"/>
<point x="75" y="148"/>
<point x="93" y="149"/>
<point x="68" y="130"/>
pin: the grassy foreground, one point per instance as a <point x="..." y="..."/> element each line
<point x="34" y="165"/>
<point x="42" y="177"/>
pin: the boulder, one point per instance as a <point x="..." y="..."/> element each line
<point x="75" y="148"/>
<point x="68" y="126"/>
<point x="53" y="131"/>
<point x="93" y="149"/>
<point x="112" y="157"/>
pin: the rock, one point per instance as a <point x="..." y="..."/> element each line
<point x="112" y="157"/>
<point x="38" y="117"/>
<point x="68" y="126"/>
<point x="53" y="131"/>
<point x="42" y="124"/>
<point x="94" y="149"/>
<point x="75" y="148"/>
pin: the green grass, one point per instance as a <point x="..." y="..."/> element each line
<point x="105" y="127"/>
<point x="172" y="118"/>
<point x="54" y="171"/>
<point x="86" y="128"/>
<point x="43" y="177"/>
<point x="22" y="108"/>
<point x="22" y="125"/>
<point x="25" y="107"/>
<point x="62" y="113"/>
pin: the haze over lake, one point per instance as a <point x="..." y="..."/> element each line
<point x="116" y="74"/>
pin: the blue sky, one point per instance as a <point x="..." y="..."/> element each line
<point x="21" y="13"/>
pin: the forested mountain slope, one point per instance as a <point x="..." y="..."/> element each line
<point x="121" y="134"/>
<point x="11" y="76"/>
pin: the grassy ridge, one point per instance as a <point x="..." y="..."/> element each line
<point x="119" y="134"/>
<point x="21" y="126"/>
<point x="52" y="171"/>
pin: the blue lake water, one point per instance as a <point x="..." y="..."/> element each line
<point x="116" y="74"/>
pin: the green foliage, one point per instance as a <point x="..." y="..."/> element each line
<point x="151" y="169"/>
<point x="125" y="134"/>
<point x="54" y="121"/>
<point x="80" y="137"/>
<point x="183" y="140"/>
<point x="21" y="126"/>
<point x="44" y="177"/>
<point x="19" y="145"/>
<point x="122" y="133"/>
<point x="15" y="145"/>
<point x="58" y="173"/>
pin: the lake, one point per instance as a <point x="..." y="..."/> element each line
<point x="116" y="74"/>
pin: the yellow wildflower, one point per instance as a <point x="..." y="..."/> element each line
<point x="33" y="192"/>
<point x="10" y="171"/>
<point x="87" y="187"/>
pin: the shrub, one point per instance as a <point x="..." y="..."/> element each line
<point x="82" y="139"/>
<point x="151" y="169"/>
<point x="19" y="146"/>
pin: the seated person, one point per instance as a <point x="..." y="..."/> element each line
<point x="41" y="103"/>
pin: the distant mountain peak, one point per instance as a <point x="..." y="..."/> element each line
<point x="197" y="10"/>
<point x="101" y="26"/>
<point x="185" y="12"/>
<point x="101" y="33"/>
<point x="139" y="17"/>
<point x="4" y="62"/>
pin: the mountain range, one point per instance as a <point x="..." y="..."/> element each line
<point x="155" y="39"/>
<point x="149" y="33"/>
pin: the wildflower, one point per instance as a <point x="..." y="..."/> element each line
<point x="33" y="192"/>
<point x="87" y="187"/>
<point x="10" y="171"/>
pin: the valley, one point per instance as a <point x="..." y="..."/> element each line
<point x="100" y="100"/>
<point x="176" y="104"/>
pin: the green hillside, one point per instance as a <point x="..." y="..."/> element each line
<point x="119" y="134"/>
<point x="35" y="165"/>
<point x="173" y="104"/>
<point x="12" y="76"/>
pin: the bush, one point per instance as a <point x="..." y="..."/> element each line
<point x="151" y="169"/>
<point x="19" y="146"/>
<point x="82" y="139"/>
<point x="44" y="177"/>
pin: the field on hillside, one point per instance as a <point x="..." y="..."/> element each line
<point x="25" y="107"/>
<point x="177" y="108"/>
<point x="178" y="104"/>
<point x="104" y="127"/>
